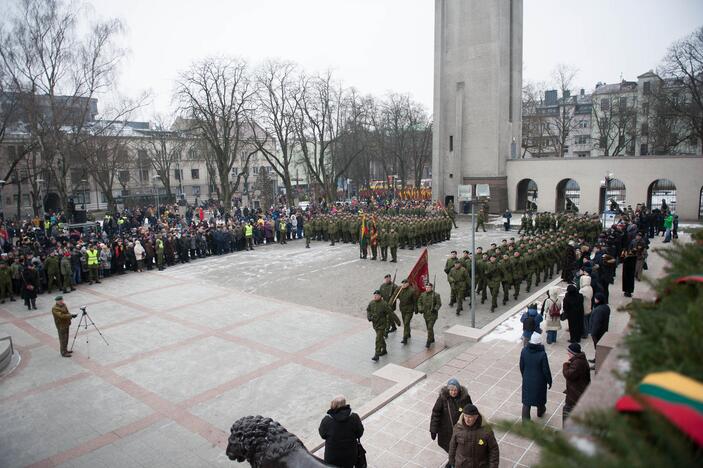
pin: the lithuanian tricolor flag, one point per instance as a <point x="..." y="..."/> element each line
<point x="676" y="397"/>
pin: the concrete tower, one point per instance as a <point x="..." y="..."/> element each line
<point x="477" y="95"/>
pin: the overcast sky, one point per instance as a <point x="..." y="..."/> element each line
<point x="385" y="45"/>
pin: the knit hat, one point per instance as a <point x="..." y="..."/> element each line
<point x="536" y="338"/>
<point x="454" y="382"/>
<point x="574" y="348"/>
<point x="471" y="410"/>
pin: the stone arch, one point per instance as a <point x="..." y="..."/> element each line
<point x="526" y="195"/>
<point x="617" y="192"/>
<point x="568" y="196"/>
<point x="661" y="191"/>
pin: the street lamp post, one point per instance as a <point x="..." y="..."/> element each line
<point x="84" y="182"/>
<point x="2" y="211"/>
<point x="39" y="183"/>
<point x="156" y="193"/>
<point x="606" y="182"/>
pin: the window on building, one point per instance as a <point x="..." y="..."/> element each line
<point x="583" y="124"/>
<point x="143" y="175"/>
<point x="451" y="142"/>
<point x="192" y="154"/>
<point x="645" y="108"/>
<point x="647" y="88"/>
<point x="566" y="149"/>
<point x="123" y="177"/>
<point x="623" y="104"/>
<point x="195" y="190"/>
<point x="582" y="139"/>
<point x="643" y="149"/>
<point x="644" y="129"/>
<point x="604" y="104"/>
<point x="8" y="200"/>
<point x="583" y="154"/>
<point x="25" y="199"/>
<point x="256" y="169"/>
<point x="103" y="197"/>
<point x="178" y="173"/>
<point x="195" y="174"/>
<point x="621" y="140"/>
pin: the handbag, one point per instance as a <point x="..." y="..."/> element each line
<point x="360" y="455"/>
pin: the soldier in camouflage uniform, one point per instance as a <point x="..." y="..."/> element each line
<point x="428" y="304"/>
<point x="466" y="263"/>
<point x="383" y="244"/>
<point x="5" y="281"/>
<point x="481" y="220"/>
<point x="393" y="244"/>
<point x="377" y="313"/>
<point x="406" y="303"/>
<point x="493" y="279"/>
<point x="506" y="276"/>
<point x="518" y="269"/>
<point x="388" y="290"/>
<point x="457" y="281"/>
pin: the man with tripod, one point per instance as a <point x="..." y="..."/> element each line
<point x="62" y="319"/>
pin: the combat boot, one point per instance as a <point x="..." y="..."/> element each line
<point x="375" y="358"/>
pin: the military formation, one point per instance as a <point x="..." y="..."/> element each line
<point x="381" y="233"/>
<point x="381" y="311"/>
<point x="533" y="258"/>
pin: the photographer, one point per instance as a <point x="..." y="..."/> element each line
<point x="62" y="319"/>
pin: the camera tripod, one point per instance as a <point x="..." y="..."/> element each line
<point x="84" y="321"/>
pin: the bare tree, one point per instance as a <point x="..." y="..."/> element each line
<point x="277" y="105"/>
<point x="217" y="95"/>
<point x="325" y="110"/>
<point x="163" y="148"/>
<point x="105" y="156"/>
<point x="58" y="72"/>
<point x="615" y="122"/>
<point x="536" y="133"/>
<point x="420" y="142"/>
<point x="683" y="64"/>
<point x="563" y="123"/>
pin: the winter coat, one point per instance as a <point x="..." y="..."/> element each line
<point x="445" y="414"/>
<point x="572" y="306"/>
<point x="587" y="293"/>
<point x="473" y="446"/>
<point x="29" y="278"/>
<point x="538" y="319"/>
<point x="577" y="374"/>
<point x="341" y="428"/>
<point x="599" y="320"/>
<point x="551" y="323"/>
<point x="139" y="252"/>
<point x="536" y="376"/>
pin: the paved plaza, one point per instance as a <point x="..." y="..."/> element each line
<point x="195" y="347"/>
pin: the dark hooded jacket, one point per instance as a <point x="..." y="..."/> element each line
<point x="445" y="414"/>
<point x="473" y="446"/>
<point x="341" y="428"/>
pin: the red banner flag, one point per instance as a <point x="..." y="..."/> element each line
<point x="420" y="274"/>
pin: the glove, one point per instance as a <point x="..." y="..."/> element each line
<point x="433" y="435"/>
<point x="74" y="315"/>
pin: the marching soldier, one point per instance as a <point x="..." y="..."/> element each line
<point x="428" y="304"/>
<point x="457" y="282"/>
<point x="449" y="264"/>
<point x="506" y="276"/>
<point x="383" y="243"/>
<point x="377" y="313"/>
<point x="451" y="213"/>
<point x="388" y="290"/>
<point x="308" y="232"/>
<point x="493" y="278"/>
<point x="406" y="302"/>
<point x="466" y="263"/>
<point x="62" y="320"/>
<point x="518" y="268"/>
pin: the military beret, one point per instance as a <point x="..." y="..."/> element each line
<point x="377" y="292"/>
<point x="58" y="298"/>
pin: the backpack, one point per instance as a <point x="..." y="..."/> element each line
<point x="554" y="310"/>
<point x="529" y="325"/>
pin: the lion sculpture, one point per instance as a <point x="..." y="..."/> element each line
<point x="264" y="443"/>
